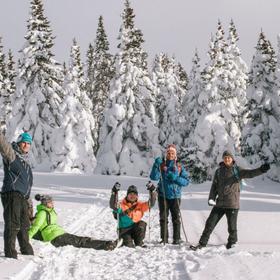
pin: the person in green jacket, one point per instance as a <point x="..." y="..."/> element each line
<point x="45" y="228"/>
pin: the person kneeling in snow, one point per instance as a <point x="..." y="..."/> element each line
<point x="45" y="228"/>
<point x="224" y="196"/>
<point x="129" y="214"/>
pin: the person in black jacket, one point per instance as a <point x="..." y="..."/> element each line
<point x="225" y="196"/>
<point x="17" y="183"/>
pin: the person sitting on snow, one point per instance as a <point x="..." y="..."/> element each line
<point x="45" y="228"/>
<point x="225" y="196"/>
<point x="130" y="212"/>
<point x="172" y="177"/>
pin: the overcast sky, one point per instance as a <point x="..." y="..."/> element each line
<point x="171" y="26"/>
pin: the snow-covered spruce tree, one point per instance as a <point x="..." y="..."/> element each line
<point x="183" y="81"/>
<point x="3" y="79"/>
<point x="73" y="150"/>
<point x="218" y="128"/>
<point x="191" y="110"/>
<point x="89" y="71"/>
<point x="128" y="138"/>
<point x="168" y="95"/>
<point x="100" y="71"/>
<point x="11" y="74"/>
<point x="274" y="141"/>
<point x="238" y="78"/>
<point x="263" y="112"/>
<point x="39" y="92"/>
<point x="8" y="90"/>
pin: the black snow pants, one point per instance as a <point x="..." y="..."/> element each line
<point x="16" y="224"/>
<point x="214" y="217"/>
<point x="172" y="205"/>
<point x="82" y="242"/>
<point x="134" y="236"/>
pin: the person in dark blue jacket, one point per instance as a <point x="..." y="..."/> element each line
<point x="172" y="177"/>
<point x="17" y="183"/>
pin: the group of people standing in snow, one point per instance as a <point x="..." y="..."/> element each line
<point x="171" y="176"/>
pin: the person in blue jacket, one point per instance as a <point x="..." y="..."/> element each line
<point x="172" y="177"/>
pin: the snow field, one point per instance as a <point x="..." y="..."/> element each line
<point x="82" y="206"/>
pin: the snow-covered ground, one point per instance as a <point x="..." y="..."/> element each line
<point x="82" y="206"/>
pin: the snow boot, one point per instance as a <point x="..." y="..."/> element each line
<point x="177" y="242"/>
<point x="230" y="245"/>
<point x="111" y="245"/>
<point x="197" y="247"/>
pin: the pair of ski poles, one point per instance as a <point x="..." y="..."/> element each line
<point x="150" y="187"/>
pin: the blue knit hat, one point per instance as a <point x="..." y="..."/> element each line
<point x="25" y="137"/>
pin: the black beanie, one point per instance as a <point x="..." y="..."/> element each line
<point x="132" y="189"/>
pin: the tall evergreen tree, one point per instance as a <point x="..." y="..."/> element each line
<point x="39" y="94"/>
<point x="192" y="111"/>
<point x="9" y="90"/>
<point x="218" y="128"/>
<point x="183" y="81"/>
<point x="100" y="73"/>
<point x="168" y="100"/>
<point x="262" y="117"/>
<point x="11" y="73"/>
<point x="75" y="64"/>
<point x="3" y="82"/>
<point x="73" y="149"/>
<point x="128" y="135"/>
<point x="238" y="79"/>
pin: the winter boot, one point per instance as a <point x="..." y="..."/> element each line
<point x="111" y="245"/>
<point x="197" y="247"/>
<point x="230" y="245"/>
<point x="176" y="234"/>
<point x="177" y="241"/>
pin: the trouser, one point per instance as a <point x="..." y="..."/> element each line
<point x="214" y="217"/>
<point x="135" y="234"/>
<point x="16" y="220"/>
<point x="81" y="242"/>
<point x="172" y="205"/>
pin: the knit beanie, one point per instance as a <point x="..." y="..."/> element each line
<point x="24" y="137"/>
<point x="227" y="153"/>
<point x="132" y="189"/>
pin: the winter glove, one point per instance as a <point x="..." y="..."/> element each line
<point x="150" y="186"/>
<point x="265" y="167"/>
<point x="158" y="162"/>
<point x="211" y="202"/>
<point x="116" y="187"/>
<point x="172" y="176"/>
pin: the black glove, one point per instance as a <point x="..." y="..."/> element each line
<point x="116" y="187"/>
<point x="150" y="186"/>
<point x="265" y="167"/>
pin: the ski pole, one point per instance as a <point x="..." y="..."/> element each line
<point x="150" y="187"/>
<point x="117" y="187"/>
<point x="165" y="207"/>
<point x="181" y="219"/>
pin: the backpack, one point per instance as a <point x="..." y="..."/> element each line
<point x="38" y="235"/>
<point x="236" y="173"/>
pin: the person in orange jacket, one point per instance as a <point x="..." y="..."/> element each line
<point x="130" y="212"/>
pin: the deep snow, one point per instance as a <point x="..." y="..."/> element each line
<point x="82" y="206"/>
